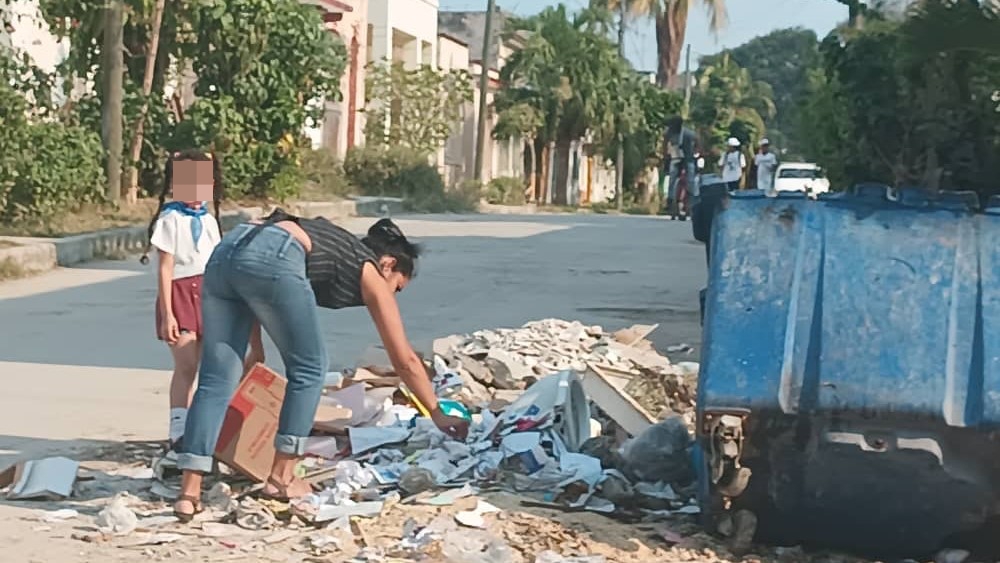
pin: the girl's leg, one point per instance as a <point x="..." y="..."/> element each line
<point x="226" y="330"/>
<point x="291" y="319"/>
<point x="186" y="354"/>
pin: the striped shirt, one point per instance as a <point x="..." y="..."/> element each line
<point x="335" y="263"/>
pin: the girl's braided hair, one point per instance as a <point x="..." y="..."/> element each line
<point x="217" y="191"/>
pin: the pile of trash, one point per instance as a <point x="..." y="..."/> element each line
<point x="496" y="364"/>
<point x="553" y="426"/>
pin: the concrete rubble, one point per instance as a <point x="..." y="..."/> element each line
<point x="547" y="474"/>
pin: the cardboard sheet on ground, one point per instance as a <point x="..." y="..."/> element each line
<point x="49" y="478"/>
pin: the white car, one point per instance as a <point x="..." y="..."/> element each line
<point x="801" y="177"/>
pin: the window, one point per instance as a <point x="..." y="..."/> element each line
<point x="800" y="173"/>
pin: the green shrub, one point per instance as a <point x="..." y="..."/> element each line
<point x="324" y="176"/>
<point x="405" y="173"/>
<point x="505" y="191"/>
<point x="377" y="172"/>
<point x="463" y="199"/>
<point x="45" y="167"/>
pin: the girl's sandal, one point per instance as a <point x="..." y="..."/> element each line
<point x="186" y="517"/>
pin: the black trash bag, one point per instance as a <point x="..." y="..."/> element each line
<point x="661" y="453"/>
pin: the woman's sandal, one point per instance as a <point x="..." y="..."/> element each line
<point x="186" y="517"/>
<point x="281" y="494"/>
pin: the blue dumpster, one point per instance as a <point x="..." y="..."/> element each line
<point x="850" y="386"/>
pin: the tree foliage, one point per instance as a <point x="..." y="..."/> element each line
<point x="670" y="21"/>
<point x="568" y="82"/>
<point x="251" y="103"/>
<point x="415" y="108"/>
<point x="785" y="59"/>
<point x="45" y="165"/>
<point x="909" y="107"/>
<point x="729" y="102"/>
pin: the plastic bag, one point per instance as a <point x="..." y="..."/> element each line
<point x="660" y="453"/>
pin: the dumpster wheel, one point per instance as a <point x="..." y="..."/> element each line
<point x="725" y="453"/>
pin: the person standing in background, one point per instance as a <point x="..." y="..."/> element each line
<point x="732" y="163"/>
<point x="678" y="152"/>
<point x="766" y="162"/>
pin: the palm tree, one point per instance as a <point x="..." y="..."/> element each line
<point x="731" y="103"/>
<point x="670" y="18"/>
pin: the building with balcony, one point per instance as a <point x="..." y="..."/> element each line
<point x="403" y="31"/>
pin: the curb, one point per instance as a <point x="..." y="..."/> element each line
<point x="42" y="255"/>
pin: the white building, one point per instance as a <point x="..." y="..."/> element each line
<point x="25" y="31"/>
<point x="404" y="31"/>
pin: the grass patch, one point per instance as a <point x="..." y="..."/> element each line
<point x="86" y="219"/>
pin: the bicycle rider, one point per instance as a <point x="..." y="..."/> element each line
<point x="678" y="151"/>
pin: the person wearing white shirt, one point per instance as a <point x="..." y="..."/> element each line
<point x="733" y="163"/>
<point x="184" y="234"/>
<point x="767" y="163"/>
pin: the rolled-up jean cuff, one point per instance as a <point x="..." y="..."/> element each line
<point x="290" y="445"/>
<point x="192" y="462"/>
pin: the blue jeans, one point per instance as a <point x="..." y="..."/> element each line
<point x="675" y="174"/>
<point x="255" y="274"/>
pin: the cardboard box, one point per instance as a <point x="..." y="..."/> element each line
<point x="246" y="441"/>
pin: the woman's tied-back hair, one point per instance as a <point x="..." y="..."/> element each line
<point x="217" y="191"/>
<point x="385" y="239"/>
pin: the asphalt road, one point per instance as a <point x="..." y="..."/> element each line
<point x="479" y="272"/>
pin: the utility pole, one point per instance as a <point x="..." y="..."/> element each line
<point x="484" y="84"/>
<point x="620" y="160"/>
<point x="113" y="61"/>
<point x="687" y="82"/>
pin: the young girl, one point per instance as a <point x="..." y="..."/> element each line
<point x="184" y="234"/>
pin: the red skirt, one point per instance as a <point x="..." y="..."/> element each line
<point x="185" y="300"/>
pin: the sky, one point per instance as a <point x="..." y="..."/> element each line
<point x="747" y="19"/>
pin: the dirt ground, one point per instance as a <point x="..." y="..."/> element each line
<point x="524" y="533"/>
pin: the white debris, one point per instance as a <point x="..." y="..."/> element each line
<point x="61" y="515"/>
<point x="117" y="518"/>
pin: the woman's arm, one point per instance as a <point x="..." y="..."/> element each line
<point x="384" y="310"/>
<point x="164" y="287"/>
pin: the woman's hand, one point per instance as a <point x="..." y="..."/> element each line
<point x="254" y="356"/>
<point x="170" y="330"/>
<point x="456" y="427"/>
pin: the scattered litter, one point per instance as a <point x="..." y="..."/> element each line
<point x="417" y="480"/>
<point x="366" y="509"/>
<point x="550" y="404"/>
<point x="669" y="535"/>
<point x="218" y="530"/>
<point x="154" y="539"/>
<point x="164" y="491"/>
<point x="280" y="536"/>
<point x="220" y="498"/>
<point x="952" y="556"/>
<point x="140" y="472"/>
<point x="364" y="439"/>
<point x="449" y="497"/>
<point x="553" y="557"/>
<point x="44" y="479"/>
<point x="61" y="515"/>
<point x="660" y="453"/>
<point x="474" y="518"/>
<point x="155" y="522"/>
<point x="117" y="518"/>
<point x="252" y="515"/>
<point x="475" y="546"/>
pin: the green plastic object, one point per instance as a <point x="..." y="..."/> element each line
<point x="454" y="408"/>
